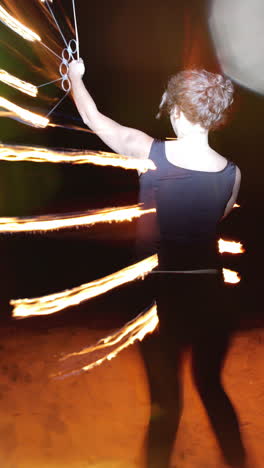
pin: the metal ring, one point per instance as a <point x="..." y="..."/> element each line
<point x="67" y="54"/>
<point x="63" y="54"/>
<point x="68" y="88"/>
<point x="64" y="73"/>
<point x="72" y="51"/>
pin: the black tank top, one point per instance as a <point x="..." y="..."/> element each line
<point x="189" y="206"/>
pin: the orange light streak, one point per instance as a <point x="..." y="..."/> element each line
<point x="6" y="114"/>
<point x="50" y="304"/>
<point x="18" y="27"/>
<point x="47" y="305"/>
<point x="111" y="346"/>
<point x="12" y="115"/>
<point x="18" y="84"/>
<point x="71" y="127"/>
<point x="101" y="158"/>
<point x="58" y="221"/>
<point x="28" y="117"/>
<point x="231" y="277"/>
<point x="230" y="247"/>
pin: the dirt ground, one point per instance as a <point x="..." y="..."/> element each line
<point x="99" y="419"/>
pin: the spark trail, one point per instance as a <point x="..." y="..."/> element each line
<point x="58" y="221"/>
<point x="50" y="304"/>
<point x="230" y="247"/>
<point x="18" y="84"/>
<point x="47" y="305"/>
<point x="109" y="347"/>
<point x="101" y="158"/>
<point x="230" y="276"/>
<point x="17" y="26"/>
<point x="25" y="115"/>
<point x="23" y="30"/>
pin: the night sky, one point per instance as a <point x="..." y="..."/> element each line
<point x="130" y="49"/>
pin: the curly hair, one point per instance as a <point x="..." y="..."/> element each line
<point x="202" y="96"/>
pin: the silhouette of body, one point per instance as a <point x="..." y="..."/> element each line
<point x="193" y="188"/>
<point x="192" y="302"/>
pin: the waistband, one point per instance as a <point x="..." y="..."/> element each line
<point x="208" y="271"/>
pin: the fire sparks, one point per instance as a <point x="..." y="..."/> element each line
<point x="108" y="348"/>
<point x="231" y="277"/>
<point x="16" y="83"/>
<point x="111" y="346"/>
<point x="18" y="27"/>
<point x="25" y="115"/>
<point x="35" y="154"/>
<point x="51" y="222"/>
<point x="230" y="247"/>
<point x="53" y="303"/>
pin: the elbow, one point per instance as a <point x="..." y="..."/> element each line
<point x="90" y="119"/>
<point x="85" y="119"/>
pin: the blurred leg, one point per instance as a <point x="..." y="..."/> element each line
<point x="166" y="401"/>
<point x="208" y="358"/>
<point x="162" y="353"/>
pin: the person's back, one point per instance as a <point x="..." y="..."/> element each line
<point x="193" y="188"/>
<point x="189" y="203"/>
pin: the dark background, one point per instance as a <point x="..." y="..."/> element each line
<point x="130" y="49"/>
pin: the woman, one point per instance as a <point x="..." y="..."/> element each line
<point x="193" y="188"/>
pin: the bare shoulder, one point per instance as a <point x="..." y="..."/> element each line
<point x="138" y="144"/>
<point x="238" y="177"/>
<point x="218" y="159"/>
<point x="223" y="161"/>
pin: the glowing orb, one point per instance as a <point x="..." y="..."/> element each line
<point x="237" y="30"/>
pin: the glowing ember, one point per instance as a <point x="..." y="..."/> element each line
<point x="12" y="115"/>
<point x="16" y="83"/>
<point x="35" y="154"/>
<point x="18" y="27"/>
<point x="53" y="303"/>
<point x="51" y="222"/>
<point x="230" y="247"/>
<point x="23" y="114"/>
<point x="231" y="277"/>
<point x="6" y="114"/>
<point x="111" y="346"/>
<point x="236" y="205"/>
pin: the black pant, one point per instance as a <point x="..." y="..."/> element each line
<point x="194" y="312"/>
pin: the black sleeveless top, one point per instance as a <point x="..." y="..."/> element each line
<point x="189" y="205"/>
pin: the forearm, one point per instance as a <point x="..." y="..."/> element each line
<point x="123" y="140"/>
<point x="105" y="128"/>
<point x="84" y="103"/>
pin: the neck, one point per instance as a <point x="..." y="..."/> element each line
<point x="188" y="133"/>
<point x="194" y="137"/>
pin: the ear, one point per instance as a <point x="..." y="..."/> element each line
<point x="175" y="113"/>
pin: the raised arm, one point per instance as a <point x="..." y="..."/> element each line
<point x="232" y="200"/>
<point x="123" y="140"/>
